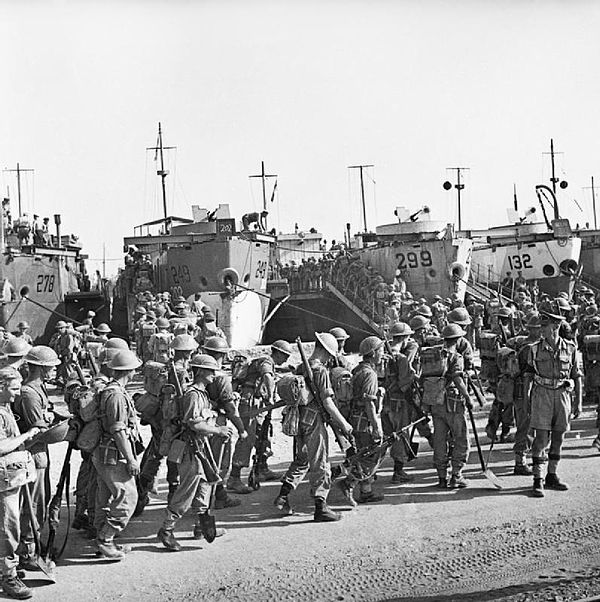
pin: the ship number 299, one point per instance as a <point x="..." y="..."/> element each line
<point x="45" y="283"/>
<point x="414" y="260"/>
<point x="518" y="262"/>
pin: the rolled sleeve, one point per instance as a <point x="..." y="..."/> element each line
<point x="115" y="412"/>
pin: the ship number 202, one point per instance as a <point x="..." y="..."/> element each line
<point x="414" y="260"/>
<point x="45" y="283"/>
<point x="518" y="262"/>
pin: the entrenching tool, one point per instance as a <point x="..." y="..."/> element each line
<point x="487" y="473"/>
<point x="47" y="567"/>
<point x="209" y="525"/>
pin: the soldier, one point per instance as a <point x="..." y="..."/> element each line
<point x="551" y="375"/>
<point x="22" y="332"/>
<point x="14" y="355"/>
<point x="403" y="343"/>
<point x="115" y="458"/>
<point x="10" y="486"/>
<point x="224" y="402"/>
<point x="440" y="312"/>
<point x="312" y="441"/>
<point x="476" y="311"/>
<point x="521" y="403"/>
<point x="447" y="397"/>
<point x="160" y="341"/>
<point x="256" y="388"/>
<point x="197" y="468"/>
<point x="420" y="326"/>
<point x="340" y="360"/>
<point x="35" y="410"/>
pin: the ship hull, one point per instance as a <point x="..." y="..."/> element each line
<point x="429" y="267"/>
<point x="553" y="263"/>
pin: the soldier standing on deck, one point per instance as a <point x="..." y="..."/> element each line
<point x="551" y="374"/>
<point x="312" y="441"/>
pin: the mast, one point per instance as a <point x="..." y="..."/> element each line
<point x="362" y="191"/>
<point x="18" y="171"/>
<point x="554" y="179"/>
<point x="459" y="186"/>
<point x="162" y="172"/>
<point x="263" y="176"/>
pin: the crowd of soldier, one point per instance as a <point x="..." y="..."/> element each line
<point x="421" y="374"/>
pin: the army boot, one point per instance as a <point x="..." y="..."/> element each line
<point x="166" y="537"/>
<point x="265" y="473"/>
<point x="107" y="549"/>
<point x="81" y="519"/>
<point x="538" y="488"/>
<point x="347" y="488"/>
<point x="457" y="481"/>
<point x="400" y="475"/>
<point x="14" y="588"/>
<point x="323" y="513"/>
<point x="281" y="501"/>
<point x="370" y="497"/>
<point x="553" y="482"/>
<point x="234" y="483"/>
<point x="223" y="500"/>
<point x="521" y="467"/>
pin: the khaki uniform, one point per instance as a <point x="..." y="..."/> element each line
<point x="116" y="495"/>
<point x="312" y="441"/>
<point x="553" y="371"/>
<point x="35" y="410"/>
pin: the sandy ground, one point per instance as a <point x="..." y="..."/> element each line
<point x="421" y="543"/>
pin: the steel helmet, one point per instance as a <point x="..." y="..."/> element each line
<point x="40" y="355"/>
<point x="181" y="305"/>
<point x="418" y="322"/>
<point x="424" y="310"/>
<point x="116" y="343"/>
<point x="151" y="314"/>
<point x="401" y="329"/>
<point x="452" y="331"/>
<point x="563" y="304"/>
<point x="437" y="298"/>
<point x="283" y="347"/>
<point x="140" y="309"/>
<point x="17" y="347"/>
<point x="339" y="333"/>
<point x="369" y="345"/>
<point x="534" y="321"/>
<point x="460" y="316"/>
<point x="124" y="360"/>
<point x="162" y="323"/>
<point x="328" y="342"/>
<point x="216" y="344"/>
<point x="61" y="324"/>
<point x="591" y="310"/>
<point x="107" y="354"/>
<point x="23" y="324"/>
<point x="503" y="312"/>
<point x="422" y="301"/>
<point x="563" y="295"/>
<point x="103" y="328"/>
<point x="202" y="360"/>
<point x="184" y="342"/>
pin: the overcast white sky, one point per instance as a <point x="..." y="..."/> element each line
<point x="309" y="87"/>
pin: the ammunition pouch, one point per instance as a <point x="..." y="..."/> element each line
<point x="17" y="468"/>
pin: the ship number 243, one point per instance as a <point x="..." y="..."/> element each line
<point x="518" y="262"/>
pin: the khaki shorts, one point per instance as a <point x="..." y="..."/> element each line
<point x="550" y="409"/>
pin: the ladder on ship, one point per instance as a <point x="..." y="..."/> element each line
<point x="353" y="307"/>
<point x="479" y="284"/>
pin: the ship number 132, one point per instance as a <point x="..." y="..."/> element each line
<point x="518" y="262"/>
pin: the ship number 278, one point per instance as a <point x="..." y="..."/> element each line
<point x="518" y="262"/>
<point x="45" y="283"/>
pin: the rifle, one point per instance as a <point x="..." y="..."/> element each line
<point x="63" y="485"/>
<point x="93" y="365"/>
<point x="352" y="464"/>
<point x="476" y="391"/>
<point x="261" y="451"/>
<point x="308" y="375"/>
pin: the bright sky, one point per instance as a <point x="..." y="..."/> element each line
<point x="309" y="87"/>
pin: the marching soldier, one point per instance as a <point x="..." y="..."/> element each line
<point x="447" y="397"/>
<point x="340" y="360"/>
<point x="115" y="458"/>
<point x="551" y="374"/>
<point x="198" y="471"/>
<point x="159" y="343"/>
<point x="312" y="441"/>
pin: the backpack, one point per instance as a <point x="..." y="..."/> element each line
<point x="591" y="344"/>
<point x="434" y="361"/>
<point x="508" y="362"/>
<point x="341" y="380"/>
<point x="292" y="389"/>
<point x="89" y="412"/>
<point x="488" y="345"/>
<point x="155" y="377"/>
<point x="161" y="341"/>
<point x="246" y="373"/>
